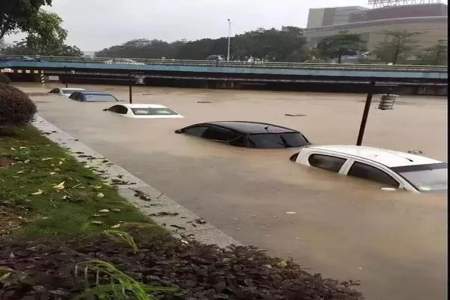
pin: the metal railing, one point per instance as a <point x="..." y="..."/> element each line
<point x="208" y="63"/>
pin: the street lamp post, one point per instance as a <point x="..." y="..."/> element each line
<point x="229" y="39"/>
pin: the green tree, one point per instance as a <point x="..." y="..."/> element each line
<point x="435" y="55"/>
<point x="19" y="15"/>
<point x="397" y="46"/>
<point x="339" y="45"/>
<point x="287" y="44"/>
<point x="45" y="37"/>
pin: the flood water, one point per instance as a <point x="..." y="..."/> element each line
<point x="395" y="243"/>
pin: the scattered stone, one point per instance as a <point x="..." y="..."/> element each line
<point x="164" y="214"/>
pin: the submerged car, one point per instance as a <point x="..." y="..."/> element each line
<point x="247" y="134"/>
<point x="391" y="168"/>
<point x="144" y="111"/>
<point x="85" y="96"/>
<point x="65" y="91"/>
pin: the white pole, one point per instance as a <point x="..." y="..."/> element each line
<point x="229" y="39"/>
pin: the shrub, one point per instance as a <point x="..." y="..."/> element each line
<point x="16" y="108"/>
<point x="4" y="79"/>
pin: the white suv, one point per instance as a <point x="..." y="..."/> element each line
<point x="392" y="168"/>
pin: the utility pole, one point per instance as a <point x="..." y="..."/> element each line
<point x="130" y="89"/>
<point x="229" y="39"/>
<point x="362" y="128"/>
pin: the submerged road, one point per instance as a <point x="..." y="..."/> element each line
<point x="394" y="242"/>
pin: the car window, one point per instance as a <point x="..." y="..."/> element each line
<point x="195" y="130"/>
<point x="99" y="98"/>
<point x="365" y="171"/>
<point x="143" y="111"/>
<point x="426" y="177"/>
<point x="120" y="109"/>
<point x="276" y="140"/>
<point x="326" y="162"/>
<point x="239" y="140"/>
<point x="75" y="96"/>
<point x="219" y="133"/>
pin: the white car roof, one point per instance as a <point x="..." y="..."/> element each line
<point x="389" y="158"/>
<point x="141" y="105"/>
<point x="72" y="89"/>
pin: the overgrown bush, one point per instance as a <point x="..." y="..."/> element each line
<point x="16" y="108"/>
<point x="4" y="79"/>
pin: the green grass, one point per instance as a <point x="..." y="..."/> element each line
<point x="64" y="212"/>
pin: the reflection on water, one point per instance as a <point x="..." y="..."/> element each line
<point x="393" y="241"/>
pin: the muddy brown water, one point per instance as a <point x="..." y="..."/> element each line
<point x="345" y="228"/>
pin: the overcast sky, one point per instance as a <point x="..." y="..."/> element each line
<point x="97" y="24"/>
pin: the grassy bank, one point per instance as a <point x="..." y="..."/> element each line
<point x="66" y="234"/>
<point x="53" y="193"/>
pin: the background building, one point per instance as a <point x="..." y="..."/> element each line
<point x="429" y="19"/>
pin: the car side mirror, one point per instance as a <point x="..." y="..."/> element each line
<point x="105" y="109"/>
<point x="179" y="131"/>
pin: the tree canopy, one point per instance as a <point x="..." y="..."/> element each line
<point x="436" y="54"/>
<point x="19" y="15"/>
<point x="45" y="37"/>
<point x="397" y="47"/>
<point x="339" y="45"/>
<point x="287" y="44"/>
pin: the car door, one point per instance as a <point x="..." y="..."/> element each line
<point x="373" y="173"/>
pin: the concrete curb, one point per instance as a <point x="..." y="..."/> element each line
<point x="178" y="220"/>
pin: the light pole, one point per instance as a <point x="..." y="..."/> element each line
<point x="229" y="39"/>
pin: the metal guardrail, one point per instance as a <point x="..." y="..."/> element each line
<point x="208" y="63"/>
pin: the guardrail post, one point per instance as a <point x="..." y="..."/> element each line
<point x="362" y="127"/>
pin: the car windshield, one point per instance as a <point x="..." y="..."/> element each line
<point x="99" y="98"/>
<point x="277" y="140"/>
<point x="426" y="178"/>
<point x="148" y="111"/>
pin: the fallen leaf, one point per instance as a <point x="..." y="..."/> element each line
<point x="97" y="222"/>
<point x="39" y="192"/>
<point x="59" y="186"/>
<point x="100" y="195"/>
<point x="104" y="210"/>
<point x="291" y="212"/>
<point x="115" y="226"/>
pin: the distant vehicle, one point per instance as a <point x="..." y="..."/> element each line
<point x="391" y="168"/>
<point x="247" y="134"/>
<point x="85" y="96"/>
<point x="65" y="91"/>
<point x="144" y="111"/>
<point x="216" y="57"/>
<point x="123" y="61"/>
<point x="28" y="58"/>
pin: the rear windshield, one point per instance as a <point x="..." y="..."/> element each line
<point x="99" y="98"/>
<point x="153" y="111"/>
<point x="277" y="140"/>
<point x="425" y="178"/>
